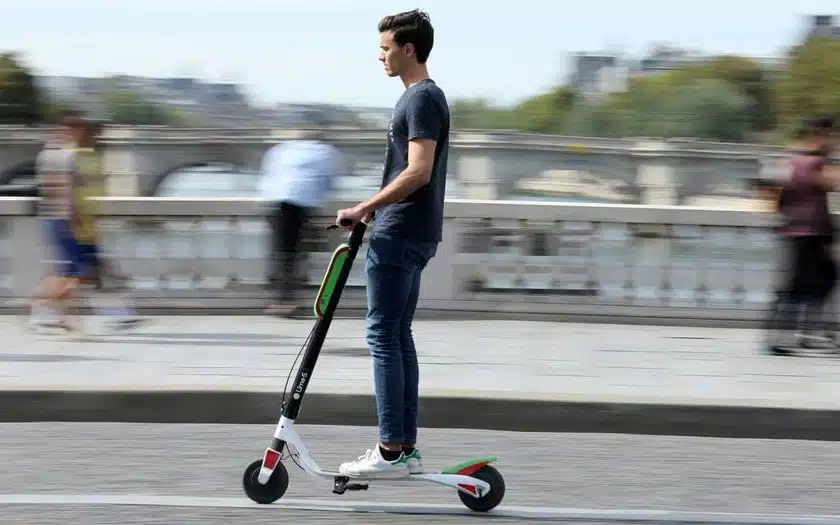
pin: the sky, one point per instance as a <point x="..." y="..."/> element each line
<point x="326" y="50"/>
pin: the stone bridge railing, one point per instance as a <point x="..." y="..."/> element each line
<point x="498" y="258"/>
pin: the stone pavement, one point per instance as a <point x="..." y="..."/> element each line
<point x="506" y="375"/>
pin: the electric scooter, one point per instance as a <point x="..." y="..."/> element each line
<point x="478" y="484"/>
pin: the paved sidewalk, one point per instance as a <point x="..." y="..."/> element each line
<point x="502" y="375"/>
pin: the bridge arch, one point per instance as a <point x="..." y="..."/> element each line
<point x="170" y="175"/>
<point x="188" y="179"/>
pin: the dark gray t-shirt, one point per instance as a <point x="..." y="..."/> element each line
<point x="421" y="112"/>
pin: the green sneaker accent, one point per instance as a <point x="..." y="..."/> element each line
<point x="414" y="462"/>
<point x="461" y="466"/>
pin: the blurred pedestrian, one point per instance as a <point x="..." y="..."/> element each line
<point x="59" y="210"/>
<point x="807" y="231"/>
<point x="52" y="177"/>
<point x="72" y="178"/>
<point x="296" y="176"/>
<point x="111" y="301"/>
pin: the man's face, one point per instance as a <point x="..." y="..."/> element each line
<point x="392" y="56"/>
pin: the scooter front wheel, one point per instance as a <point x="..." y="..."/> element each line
<point x="272" y="490"/>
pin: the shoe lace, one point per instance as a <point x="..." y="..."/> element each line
<point x="366" y="456"/>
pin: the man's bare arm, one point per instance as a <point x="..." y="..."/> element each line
<point x="418" y="173"/>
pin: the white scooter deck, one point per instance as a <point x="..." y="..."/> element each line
<point x="462" y="482"/>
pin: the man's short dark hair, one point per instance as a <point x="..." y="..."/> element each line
<point x="411" y="27"/>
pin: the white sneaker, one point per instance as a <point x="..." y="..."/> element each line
<point x="414" y="461"/>
<point x="815" y="340"/>
<point x="44" y="317"/>
<point x="372" y="465"/>
<point x="38" y="323"/>
<point x="124" y="322"/>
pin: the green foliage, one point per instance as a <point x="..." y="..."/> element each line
<point x="124" y="107"/>
<point x="707" y="109"/>
<point x="727" y="98"/>
<point x="21" y="102"/>
<point x="749" y="78"/>
<point x="810" y="86"/>
<point x="480" y="114"/>
<point x="542" y="113"/>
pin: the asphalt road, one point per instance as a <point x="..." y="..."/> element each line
<point x="541" y="470"/>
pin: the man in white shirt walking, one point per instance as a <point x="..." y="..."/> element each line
<point x="296" y="177"/>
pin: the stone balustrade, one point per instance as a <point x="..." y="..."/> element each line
<point x="497" y="258"/>
<point x="465" y="138"/>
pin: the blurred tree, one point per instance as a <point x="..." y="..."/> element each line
<point x="480" y="114"/>
<point x="809" y="86"/>
<point x="706" y="109"/>
<point x="708" y="100"/>
<point x="660" y="107"/>
<point x="545" y="113"/>
<point x="750" y="78"/>
<point x="178" y="117"/>
<point x="54" y="109"/>
<point x="21" y="101"/>
<point x="604" y="119"/>
<point x="125" y="107"/>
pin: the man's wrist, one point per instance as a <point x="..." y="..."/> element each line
<point x="365" y="208"/>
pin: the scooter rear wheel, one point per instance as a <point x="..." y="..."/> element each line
<point x="489" y="501"/>
<point x="271" y="491"/>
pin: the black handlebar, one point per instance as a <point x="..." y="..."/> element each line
<point x="343" y="222"/>
<point x="354" y="241"/>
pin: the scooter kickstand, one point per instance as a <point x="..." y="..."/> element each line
<point x="342" y="484"/>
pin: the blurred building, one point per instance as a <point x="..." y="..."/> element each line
<point x="221" y="104"/>
<point x="595" y="75"/>
<point x="822" y="26"/>
<point x="588" y="72"/>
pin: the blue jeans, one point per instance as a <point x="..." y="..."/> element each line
<point x="393" y="266"/>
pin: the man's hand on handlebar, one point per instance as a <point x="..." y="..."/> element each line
<point x="348" y="217"/>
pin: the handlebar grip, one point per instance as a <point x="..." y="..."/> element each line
<point x="344" y="222"/>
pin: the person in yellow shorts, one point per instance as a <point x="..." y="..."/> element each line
<point x="91" y="184"/>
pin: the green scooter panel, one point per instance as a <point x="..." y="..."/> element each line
<point x="328" y="284"/>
